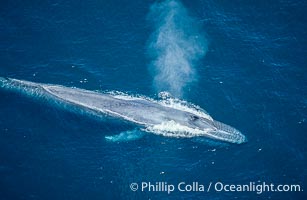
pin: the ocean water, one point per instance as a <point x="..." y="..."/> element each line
<point x="244" y="62"/>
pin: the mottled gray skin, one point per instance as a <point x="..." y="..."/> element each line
<point x="140" y="111"/>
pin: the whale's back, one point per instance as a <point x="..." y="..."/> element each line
<point x="140" y="111"/>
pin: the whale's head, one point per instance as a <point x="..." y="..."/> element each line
<point x="215" y="129"/>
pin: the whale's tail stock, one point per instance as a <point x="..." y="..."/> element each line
<point x="20" y="86"/>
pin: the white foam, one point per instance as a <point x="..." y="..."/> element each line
<point x="173" y="129"/>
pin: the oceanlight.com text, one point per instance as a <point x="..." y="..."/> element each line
<point x="257" y="187"/>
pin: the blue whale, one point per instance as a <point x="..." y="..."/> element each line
<point x="159" y="117"/>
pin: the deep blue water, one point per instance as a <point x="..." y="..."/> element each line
<point x="252" y="77"/>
